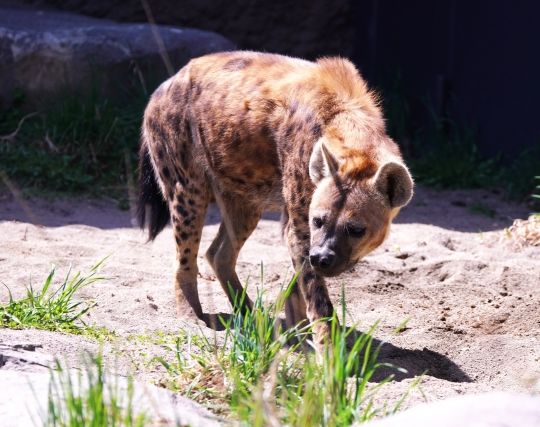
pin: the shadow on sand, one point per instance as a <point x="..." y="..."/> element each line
<point x="415" y="362"/>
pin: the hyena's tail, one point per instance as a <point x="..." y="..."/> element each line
<point x="152" y="209"/>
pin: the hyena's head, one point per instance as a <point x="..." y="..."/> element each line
<point x="350" y="213"/>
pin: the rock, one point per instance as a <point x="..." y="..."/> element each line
<point x="498" y="409"/>
<point x="25" y="378"/>
<point x="24" y="396"/>
<point x="305" y="28"/>
<point x="45" y="51"/>
<point x="23" y="357"/>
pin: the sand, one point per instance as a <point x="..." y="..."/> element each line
<point x="469" y="295"/>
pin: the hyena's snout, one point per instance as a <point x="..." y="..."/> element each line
<point x="322" y="258"/>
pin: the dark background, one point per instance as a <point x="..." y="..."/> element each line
<point x="476" y="63"/>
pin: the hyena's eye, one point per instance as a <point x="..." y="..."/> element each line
<point x="355" y="230"/>
<point x="318" y="222"/>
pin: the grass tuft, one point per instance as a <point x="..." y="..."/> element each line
<point x="52" y="309"/>
<point x="91" y="398"/>
<point x="263" y="374"/>
<point x="303" y="389"/>
<point x="444" y="151"/>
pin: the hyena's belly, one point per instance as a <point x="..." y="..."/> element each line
<point x="249" y="172"/>
<point x="242" y="158"/>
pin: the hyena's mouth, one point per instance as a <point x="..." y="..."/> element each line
<point x="334" y="271"/>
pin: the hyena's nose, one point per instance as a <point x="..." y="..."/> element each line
<point x="322" y="258"/>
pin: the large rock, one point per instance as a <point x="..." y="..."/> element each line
<point x="497" y="409"/>
<point x="26" y="384"/>
<point x="23" y="357"/>
<point x="306" y="28"/>
<point x="44" y="51"/>
<point x="23" y="401"/>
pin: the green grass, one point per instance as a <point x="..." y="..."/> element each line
<point x="262" y="374"/>
<point x="445" y="155"/>
<point x="454" y="164"/>
<point x="332" y="389"/>
<point x="88" y="143"/>
<point x="91" y="398"/>
<point x="518" y="176"/>
<point x="52" y="308"/>
<point x="82" y="143"/>
<point x="454" y="161"/>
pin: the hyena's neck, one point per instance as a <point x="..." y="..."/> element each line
<point x="354" y="136"/>
<point x="296" y="130"/>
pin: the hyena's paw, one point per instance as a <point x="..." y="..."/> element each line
<point x="322" y="337"/>
<point x="191" y="321"/>
<point x="187" y="313"/>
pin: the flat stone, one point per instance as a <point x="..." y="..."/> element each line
<point x="48" y="51"/>
<point x="23" y="357"/>
<point x="24" y="397"/>
<point x="497" y="409"/>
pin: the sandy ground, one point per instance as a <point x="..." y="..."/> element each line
<point x="471" y="298"/>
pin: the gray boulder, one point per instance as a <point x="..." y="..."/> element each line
<point x="23" y="357"/>
<point x="24" y="396"/>
<point x="42" y="52"/>
<point x="25" y="384"/>
<point x="497" y="409"/>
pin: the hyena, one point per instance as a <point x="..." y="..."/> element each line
<point x="255" y="131"/>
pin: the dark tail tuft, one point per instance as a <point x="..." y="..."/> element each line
<point x="151" y="202"/>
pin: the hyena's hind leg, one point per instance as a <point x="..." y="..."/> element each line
<point x="239" y="219"/>
<point x="188" y="209"/>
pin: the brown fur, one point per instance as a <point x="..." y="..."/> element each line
<point x="248" y="130"/>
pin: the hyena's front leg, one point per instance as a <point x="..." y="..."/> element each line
<point x="316" y="302"/>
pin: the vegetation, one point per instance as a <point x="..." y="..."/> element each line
<point x="53" y="310"/>
<point x="83" y="143"/>
<point x="89" y="143"/>
<point x="450" y="159"/>
<point x="260" y="377"/>
<point x="260" y="373"/>
<point x="445" y="154"/>
<point x="91" y="398"/>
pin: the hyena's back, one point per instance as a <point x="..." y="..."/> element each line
<point x="240" y="101"/>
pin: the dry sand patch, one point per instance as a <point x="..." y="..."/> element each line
<point x="471" y="298"/>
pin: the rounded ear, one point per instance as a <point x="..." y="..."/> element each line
<point x="394" y="181"/>
<point x="322" y="162"/>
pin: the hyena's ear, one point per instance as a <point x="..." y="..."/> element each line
<point x="394" y="181"/>
<point x="322" y="162"/>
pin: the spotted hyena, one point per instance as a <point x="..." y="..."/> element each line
<point x="255" y="131"/>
